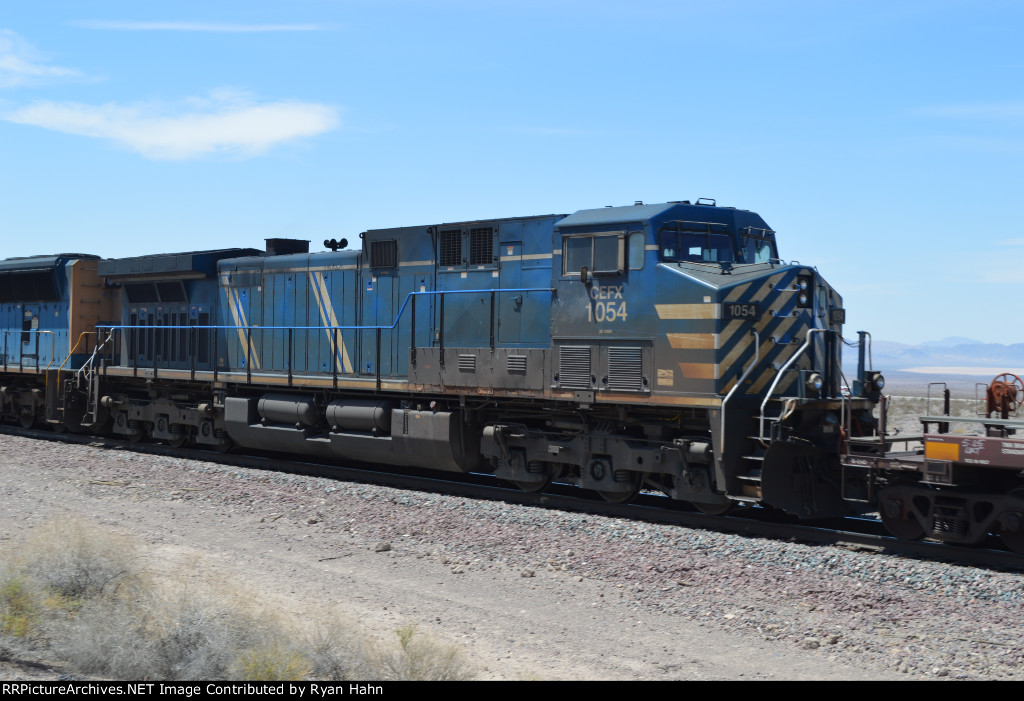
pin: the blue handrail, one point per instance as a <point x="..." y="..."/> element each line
<point x="378" y="328"/>
<point x="382" y="327"/>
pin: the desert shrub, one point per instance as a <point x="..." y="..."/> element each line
<point x="337" y="652"/>
<point x="21" y="607"/>
<point x="420" y="658"/>
<point x="77" y="561"/>
<point x="165" y="633"/>
<point x="272" y="662"/>
<point x="77" y="592"/>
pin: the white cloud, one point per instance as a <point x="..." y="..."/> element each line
<point x="21" y="64"/>
<point x="225" y="123"/>
<point x="134" y="26"/>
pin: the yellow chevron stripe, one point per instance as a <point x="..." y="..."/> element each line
<point x="762" y="380"/>
<point x="693" y="340"/>
<point x="766" y="288"/>
<point x="742" y="347"/>
<point x="769" y="373"/>
<point x="329" y="319"/>
<point x="737" y="292"/>
<point x="698" y="371"/>
<point x="728" y="331"/>
<point x="346" y="361"/>
<point x="320" y="308"/>
<point x="688" y="311"/>
<point x="238" y="314"/>
<point x="766" y="343"/>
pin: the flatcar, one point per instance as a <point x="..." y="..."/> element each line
<point x="664" y="347"/>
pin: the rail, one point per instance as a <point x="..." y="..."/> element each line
<point x="334" y="336"/>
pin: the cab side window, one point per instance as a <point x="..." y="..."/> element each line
<point x="602" y="253"/>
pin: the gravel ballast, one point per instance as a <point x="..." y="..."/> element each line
<point x="530" y="592"/>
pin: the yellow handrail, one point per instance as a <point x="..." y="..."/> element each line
<point x="72" y="351"/>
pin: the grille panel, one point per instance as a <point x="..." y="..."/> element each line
<point x="481" y="246"/>
<point x="574" y="367"/>
<point x="467" y="362"/>
<point x="516" y="363"/>
<point x="450" y="247"/>
<point x="625" y="369"/>
<point x="383" y="254"/>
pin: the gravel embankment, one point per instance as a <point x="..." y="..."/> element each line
<point x="801" y="611"/>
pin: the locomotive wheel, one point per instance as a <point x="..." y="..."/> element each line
<point x="626" y="496"/>
<point x="534" y="486"/>
<point x="899" y="524"/>
<point x="1014" y="540"/>
<point x="619" y="497"/>
<point x="712" y="509"/>
<point x="27" y="420"/>
<point x="178" y="442"/>
<point x="541" y="481"/>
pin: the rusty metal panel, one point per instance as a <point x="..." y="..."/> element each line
<point x="1007" y="453"/>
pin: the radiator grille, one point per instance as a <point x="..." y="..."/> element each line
<point x="451" y="247"/>
<point x="625" y="369"/>
<point x="481" y="246"/>
<point x="516" y="363"/>
<point x="467" y="362"/>
<point x="383" y="254"/>
<point x="574" y="367"/>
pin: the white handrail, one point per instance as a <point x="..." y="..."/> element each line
<point x="778" y="376"/>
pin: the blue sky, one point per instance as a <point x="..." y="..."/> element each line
<point x="883" y="141"/>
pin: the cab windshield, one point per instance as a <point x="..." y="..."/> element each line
<point x="695" y="242"/>
<point x="758" y="249"/>
<point x="710" y="242"/>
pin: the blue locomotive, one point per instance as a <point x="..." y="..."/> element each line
<point x="663" y="347"/>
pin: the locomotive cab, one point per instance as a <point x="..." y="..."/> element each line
<point x="685" y="316"/>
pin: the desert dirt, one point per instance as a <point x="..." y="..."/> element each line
<point x="386" y="558"/>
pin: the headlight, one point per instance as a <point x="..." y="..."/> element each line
<point x="804" y="286"/>
<point x="876" y="381"/>
<point x="814" y="382"/>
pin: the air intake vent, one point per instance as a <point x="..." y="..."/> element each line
<point x="383" y="254"/>
<point x="481" y="246"/>
<point x="574" y="367"/>
<point x="450" y="248"/>
<point x="467" y="362"/>
<point x="625" y="369"/>
<point x="516" y="363"/>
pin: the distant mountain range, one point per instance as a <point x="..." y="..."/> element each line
<point x="952" y="352"/>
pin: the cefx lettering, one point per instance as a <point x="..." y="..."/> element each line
<point x="600" y="310"/>
<point x="606" y="292"/>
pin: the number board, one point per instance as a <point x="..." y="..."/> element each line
<point x="736" y="310"/>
